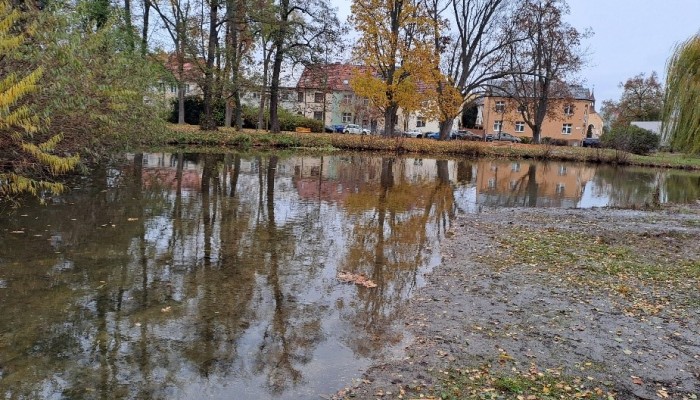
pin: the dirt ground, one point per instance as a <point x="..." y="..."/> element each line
<point x="552" y="303"/>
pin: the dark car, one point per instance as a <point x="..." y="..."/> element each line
<point x="465" y="135"/>
<point x="590" y="142"/>
<point x="504" y="137"/>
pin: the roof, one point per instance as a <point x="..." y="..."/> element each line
<point x="560" y="90"/>
<point x="190" y="70"/>
<point x="333" y="77"/>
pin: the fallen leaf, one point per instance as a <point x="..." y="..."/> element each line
<point x="357" y="279"/>
<point x="637" y="380"/>
<point x="166" y="309"/>
<point x="662" y="393"/>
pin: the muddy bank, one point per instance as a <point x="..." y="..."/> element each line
<point x="599" y="303"/>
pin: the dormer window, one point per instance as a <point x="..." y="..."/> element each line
<point x="569" y="110"/>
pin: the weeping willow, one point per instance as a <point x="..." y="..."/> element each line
<point x="681" y="113"/>
<point x="26" y="163"/>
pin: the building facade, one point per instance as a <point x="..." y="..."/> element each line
<point x="570" y="119"/>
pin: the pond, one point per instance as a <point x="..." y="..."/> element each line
<point x="216" y="275"/>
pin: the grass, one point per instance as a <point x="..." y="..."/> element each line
<point x="490" y="383"/>
<point x="226" y="137"/>
<point x="639" y="269"/>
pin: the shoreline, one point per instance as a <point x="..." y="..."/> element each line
<point x="513" y="312"/>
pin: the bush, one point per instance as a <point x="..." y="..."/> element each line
<point x="288" y="120"/>
<point x="525" y="139"/>
<point x="194" y="108"/>
<point x="553" y="141"/>
<point x="631" y="138"/>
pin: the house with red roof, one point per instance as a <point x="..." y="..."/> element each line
<point x="325" y="94"/>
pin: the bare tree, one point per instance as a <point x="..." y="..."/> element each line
<point x="303" y="29"/>
<point x="176" y="21"/>
<point x="472" y="56"/>
<point x="548" y="55"/>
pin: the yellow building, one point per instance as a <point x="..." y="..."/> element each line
<point x="570" y="118"/>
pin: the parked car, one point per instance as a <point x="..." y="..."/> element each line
<point x="338" y="128"/>
<point x="414" y="133"/>
<point x="590" y="142"/>
<point x="433" y="135"/>
<point x="356" y="129"/>
<point x="504" y="137"/>
<point x="465" y="135"/>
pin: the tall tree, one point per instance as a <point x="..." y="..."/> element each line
<point x="472" y="57"/>
<point x="177" y="20"/>
<point x="395" y="43"/>
<point x="208" y="122"/>
<point x="546" y="56"/>
<point x="302" y="31"/>
<point x="641" y="100"/>
<point x="681" y="112"/>
<point x="239" y="42"/>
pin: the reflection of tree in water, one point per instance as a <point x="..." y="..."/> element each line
<point x="173" y="296"/>
<point x="292" y="329"/>
<point x="390" y="240"/>
<point x="626" y="186"/>
<point x="681" y="187"/>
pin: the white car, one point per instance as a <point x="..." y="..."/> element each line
<point x="356" y="129"/>
<point x="414" y="133"/>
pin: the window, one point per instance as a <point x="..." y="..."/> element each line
<point x="256" y="95"/>
<point x="285" y="96"/>
<point x="515" y="167"/>
<point x="365" y="102"/>
<point x="318" y="115"/>
<point x="187" y="88"/>
<point x="347" y="118"/>
<point x="347" y="98"/>
<point x="318" y="97"/>
<point x="560" y="188"/>
<point x="566" y="129"/>
<point x="500" y="106"/>
<point x="300" y="97"/>
<point x="520" y="126"/>
<point x="420" y="122"/>
<point x="173" y="88"/>
<point x="562" y="170"/>
<point x="497" y="125"/>
<point x="569" y="110"/>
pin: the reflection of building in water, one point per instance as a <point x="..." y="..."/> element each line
<point x="333" y="178"/>
<point x="522" y="183"/>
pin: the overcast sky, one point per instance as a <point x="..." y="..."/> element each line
<point x="630" y="37"/>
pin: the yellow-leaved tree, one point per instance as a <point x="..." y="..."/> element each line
<point x="397" y="56"/>
<point x="27" y="162"/>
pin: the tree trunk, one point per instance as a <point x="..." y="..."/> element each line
<point x="277" y="65"/>
<point x="208" y="123"/>
<point x="445" y="129"/>
<point x="228" y="117"/>
<point x="263" y="92"/>
<point x="129" y="25"/>
<point x="390" y="118"/>
<point x="144" y="30"/>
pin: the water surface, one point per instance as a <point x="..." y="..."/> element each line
<point x="214" y="275"/>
